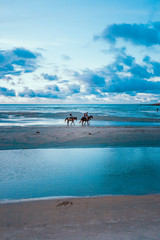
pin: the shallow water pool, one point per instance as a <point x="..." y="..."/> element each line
<point x="39" y="173"/>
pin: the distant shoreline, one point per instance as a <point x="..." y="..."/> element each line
<point x="155" y="104"/>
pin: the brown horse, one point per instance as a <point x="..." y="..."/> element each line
<point x="70" y="119"/>
<point x="85" y="120"/>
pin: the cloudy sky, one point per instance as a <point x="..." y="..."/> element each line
<point x="87" y="51"/>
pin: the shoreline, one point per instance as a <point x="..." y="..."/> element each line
<point x="111" y="217"/>
<point x="26" y="200"/>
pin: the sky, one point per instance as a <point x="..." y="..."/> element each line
<point x="73" y="52"/>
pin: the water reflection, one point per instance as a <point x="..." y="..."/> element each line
<point x="78" y="172"/>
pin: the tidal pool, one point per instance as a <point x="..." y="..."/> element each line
<point x="39" y="173"/>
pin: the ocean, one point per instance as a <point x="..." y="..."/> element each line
<point x="103" y="114"/>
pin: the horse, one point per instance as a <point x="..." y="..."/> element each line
<point x="85" y="120"/>
<point x="70" y="119"/>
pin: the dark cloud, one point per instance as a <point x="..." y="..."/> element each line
<point x="74" y="88"/>
<point x="140" y="71"/>
<point x="124" y="75"/>
<point x="53" y="88"/>
<point x="90" y="78"/>
<point x="17" y="61"/>
<point x="6" y="92"/>
<point x="50" y="77"/>
<point x="24" y="53"/>
<point x="130" y="85"/>
<point x="134" y="77"/>
<point x="94" y="82"/>
<point x="100" y="93"/>
<point x="139" y="34"/>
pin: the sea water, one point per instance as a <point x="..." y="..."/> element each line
<point x="121" y="110"/>
<point x="41" y="173"/>
<point x="54" y="114"/>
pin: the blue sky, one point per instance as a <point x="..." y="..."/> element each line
<point x="79" y="51"/>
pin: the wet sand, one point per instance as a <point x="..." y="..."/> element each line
<point x="74" y="137"/>
<point x="101" y="218"/>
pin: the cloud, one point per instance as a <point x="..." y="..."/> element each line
<point x="50" y="77"/>
<point x="6" y="92"/>
<point x="138" y="34"/>
<point x="131" y="85"/>
<point x="91" y="78"/>
<point x="74" y="88"/>
<point x="64" y="81"/>
<point x="134" y="77"/>
<point x="17" y="61"/>
<point x="94" y="82"/>
<point x="140" y="71"/>
<point x="51" y="91"/>
<point x="155" y="66"/>
<point x="124" y="75"/>
<point x="30" y="93"/>
<point x="66" y="57"/>
<point x="53" y="88"/>
<point x="24" y="53"/>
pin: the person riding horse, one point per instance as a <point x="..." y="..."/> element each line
<point x="70" y="119"/>
<point x="85" y="119"/>
<point x="86" y="115"/>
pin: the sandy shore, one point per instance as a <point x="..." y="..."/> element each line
<point x="101" y="218"/>
<point x="54" y="136"/>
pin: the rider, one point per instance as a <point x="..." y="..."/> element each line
<point x="86" y="115"/>
<point x="70" y="116"/>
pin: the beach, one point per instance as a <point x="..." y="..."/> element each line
<point x="80" y="120"/>
<point x="99" y="217"/>
<point x="73" y="136"/>
<point x="111" y="217"/>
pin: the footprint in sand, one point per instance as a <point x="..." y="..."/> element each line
<point x="65" y="203"/>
